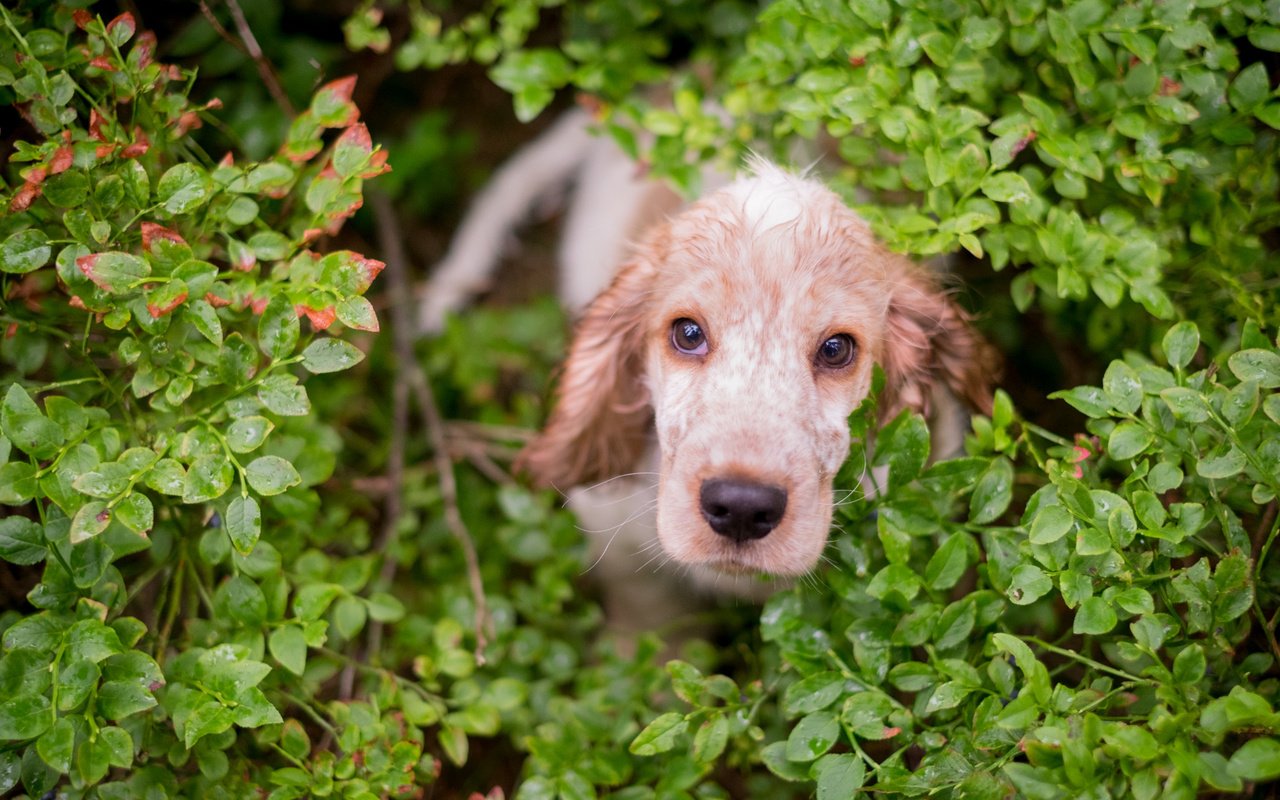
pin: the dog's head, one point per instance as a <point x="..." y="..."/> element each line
<point x="744" y="332"/>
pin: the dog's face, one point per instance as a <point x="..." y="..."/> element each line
<point x="744" y="334"/>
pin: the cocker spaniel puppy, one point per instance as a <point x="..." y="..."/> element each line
<point x="705" y="397"/>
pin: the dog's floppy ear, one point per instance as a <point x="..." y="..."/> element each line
<point x="928" y="340"/>
<point x="600" y="424"/>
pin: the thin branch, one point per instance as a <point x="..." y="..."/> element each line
<point x="248" y="44"/>
<point x="392" y="244"/>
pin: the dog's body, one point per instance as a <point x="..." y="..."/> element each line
<point x="701" y="415"/>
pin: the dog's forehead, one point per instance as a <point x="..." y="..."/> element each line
<point x="774" y="238"/>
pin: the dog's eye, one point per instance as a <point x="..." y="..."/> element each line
<point x="687" y="337"/>
<point x="837" y="351"/>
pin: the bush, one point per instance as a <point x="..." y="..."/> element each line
<point x="216" y="606"/>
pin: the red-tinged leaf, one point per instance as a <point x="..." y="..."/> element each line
<point x="113" y="271"/>
<point x="120" y="29"/>
<point x="321" y="318"/>
<point x="103" y="63"/>
<point x="357" y="312"/>
<point x="151" y="231"/>
<point x="162" y="306"/>
<point x="889" y="733"/>
<point x="62" y="158"/>
<point x="242" y="256"/>
<point x="377" y="165"/>
<point x="76" y="302"/>
<point x="213" y="105"/>
<point x="141" y="144"/>
<point x="356" y="136"/>
<point x="95" y="125"/>
<point x="340" y="88"/>
<point x="332" y="104"/>
<point x="186" y="123"/>
<point x="145" y="47"/>
<point x="217" y="301"/>
<point x="103" y="150"/>
<point x="173" y="72"/>
<point x="227" y="160"/>
<point x="82" y="18"/>
<point x="259" y="304"/>
<point x="351" y="151"/>
<point x="24" y="197"/>
<point x="35" y="174"/>
<point x="300" y="153"/>
<point x="311" y="234"/>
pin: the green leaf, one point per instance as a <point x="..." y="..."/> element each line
<point x="946" y="695"/>
<point x="247" y="434"/>
<point x="1051" y="523"/>
<point x="948" y="563"/>
<point x="1129" y="439"/>
<point x="330" y="355"/>
<point x="839" y="776"/>
<point x="24" y="717"/>
<point x="271" y="475"/>
<point x="208" y="478"/>
<point x="1007" y="187"/>
<point x="278" y="328"/>
<point x="135" y="512"/>
<point x="26" y="427"/>
<point x="385" y="607"/>
<point x="167" y="477"/>
<point x="357" y="312"/>
<point x="25" y="251"/>
<point x="660" y="735"/>
<point x="183" y="188"/>
<point x="812" y="693"/>
<point x="244" y="523"/>
<point x="91" y="520"/>
<point x="57" y="745"/>
<point x="1122" y="387"/>
<point x="710" y="740"/>
<point x="812" y="736"/>
<point x="207" y="719"/>
<point x="1250" y="88"/>
<point x="1224" y="466"/>
<point x="1028" y="584"/>
<point x="1094" y="617"/>
<point x="993" y="492"/>
<point x="1257" y="760"/>
<point x="1180" y="344"/>
<point x="1133" y="741"/>
<point x="120" y="699"/>
<point x="349" y="615"/>
<point x="21" y="541"/>
<point x="204" y="318"/>
<point x="1189" y="665"/>
<point x="289" y="647"/>
<point x="282" y="395"/>
<point x="242" y="600"/>
<point x="1088" y="400"/>
<point x="1262" y="366"/>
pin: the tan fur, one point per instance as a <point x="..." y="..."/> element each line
<point x="770" y="267"/>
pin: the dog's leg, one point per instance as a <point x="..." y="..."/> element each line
<point x="543" y="166"/>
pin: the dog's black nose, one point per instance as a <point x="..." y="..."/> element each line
<point x="742" y="510"/>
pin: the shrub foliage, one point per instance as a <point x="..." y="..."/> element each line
<point x="206" y="609"/>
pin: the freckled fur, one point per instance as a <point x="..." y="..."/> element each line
<point x="769" y="266"/>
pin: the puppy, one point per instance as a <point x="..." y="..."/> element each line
<point x="702" y="411"/>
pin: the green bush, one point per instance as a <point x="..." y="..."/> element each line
<point x="215" y="605"/>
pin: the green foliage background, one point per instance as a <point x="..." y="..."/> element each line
<point x="231" y="564"/>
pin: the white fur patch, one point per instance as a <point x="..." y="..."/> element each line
<point x="771" y="196"/>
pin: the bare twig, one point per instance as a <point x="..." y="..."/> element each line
<point x="413" y="376"/>
<point x="247" y="43"/>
